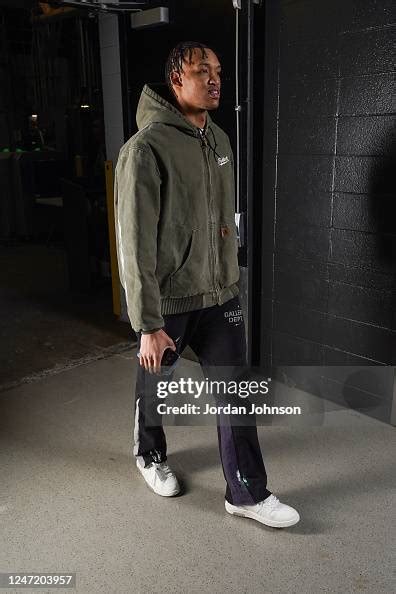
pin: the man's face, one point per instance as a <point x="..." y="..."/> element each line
<point x="198" y="86"/>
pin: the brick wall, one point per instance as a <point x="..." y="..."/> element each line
<point x="329" y="220"/>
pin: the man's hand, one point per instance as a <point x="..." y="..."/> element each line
<point x="152" y="347"/>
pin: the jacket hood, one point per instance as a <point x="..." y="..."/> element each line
<point x="155" y="106"/>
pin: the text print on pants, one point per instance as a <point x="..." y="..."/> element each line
<point x="234" y="317"/>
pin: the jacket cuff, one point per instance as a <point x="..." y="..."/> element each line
<point x="150" y="331"/>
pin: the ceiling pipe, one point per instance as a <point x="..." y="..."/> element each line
<point x="115" y="7"/>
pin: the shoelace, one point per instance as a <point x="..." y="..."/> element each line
<point x="163" y="468"/>
<point x="271" y="502"/>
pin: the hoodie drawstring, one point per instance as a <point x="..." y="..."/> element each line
<point x="213" y="148"/>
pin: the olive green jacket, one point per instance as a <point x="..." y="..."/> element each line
<point x="174" y="215"/>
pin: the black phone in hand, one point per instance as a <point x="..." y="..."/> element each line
<point x="169" y="358"/>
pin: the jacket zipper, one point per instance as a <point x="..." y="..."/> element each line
<point x="204" y="146"/>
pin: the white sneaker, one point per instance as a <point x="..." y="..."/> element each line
<point x="160" y="478"/>
<point x="270" y="512"/>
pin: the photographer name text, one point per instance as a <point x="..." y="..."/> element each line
<point x="227" y="409"/>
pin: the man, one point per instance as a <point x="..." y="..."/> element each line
<point x="177" y="251"/>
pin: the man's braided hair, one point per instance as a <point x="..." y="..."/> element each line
<point x="182" y="52"/>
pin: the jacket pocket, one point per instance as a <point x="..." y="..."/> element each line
<point x="192" y="275"/>
<point x="228" y="253"/>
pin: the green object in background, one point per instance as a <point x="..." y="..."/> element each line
<point x="19" y="150"/>
<point x="37" y="149"/>
<point x="5" y="150"/>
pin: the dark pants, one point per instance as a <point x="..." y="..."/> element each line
<point x="217" y="335"/>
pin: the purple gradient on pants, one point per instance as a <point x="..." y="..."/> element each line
<point x="239" y="491"/>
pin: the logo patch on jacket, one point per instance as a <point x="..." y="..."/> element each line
<point x="224" y="230"/>
<point x="222" y="161"/>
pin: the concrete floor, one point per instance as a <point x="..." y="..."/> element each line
<point x="47" y="328"/>
<point x="71" y="498"/>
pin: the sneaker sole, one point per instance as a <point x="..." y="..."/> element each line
<point x="236" y="511"/>
<point x="172" y="494"/>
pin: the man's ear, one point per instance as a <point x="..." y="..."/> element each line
<point x="176" y="78"/>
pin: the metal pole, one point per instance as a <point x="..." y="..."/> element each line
<point x="82" y="48"/>
<point x="253" y="330"/>
<point x="237" y="6"/>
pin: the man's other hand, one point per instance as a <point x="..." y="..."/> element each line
<point x="152" y="347"/>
